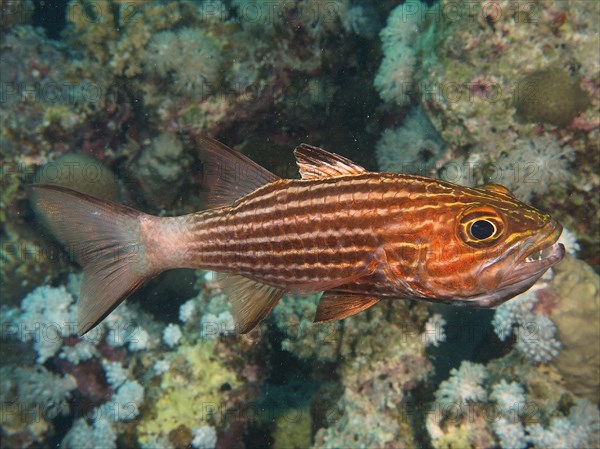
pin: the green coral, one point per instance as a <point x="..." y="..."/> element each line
<point x="293" y="429"/>
<point x="460" y="438"/>
<point x="191" y="392"/>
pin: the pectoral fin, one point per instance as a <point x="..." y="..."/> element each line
<point x="251" y="301"/>
<point x="337" y="306"/>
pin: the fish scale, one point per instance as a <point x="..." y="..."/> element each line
<point x="356" y="235"/>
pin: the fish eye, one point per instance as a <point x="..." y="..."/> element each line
<point x="482" y="229"/>
<point x="481" y="226"/>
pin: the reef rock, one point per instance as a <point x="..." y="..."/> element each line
<point x="576" y="317"/>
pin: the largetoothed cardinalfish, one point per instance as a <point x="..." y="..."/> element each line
<point x="359" y="236"/>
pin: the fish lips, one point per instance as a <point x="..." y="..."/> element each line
<point x="537" y="256"/>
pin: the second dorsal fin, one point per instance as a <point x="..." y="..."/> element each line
<point x="228" y="174"/>
<point x="315" y="162"/>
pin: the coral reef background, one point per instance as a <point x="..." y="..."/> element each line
<point x="109" y="97"/>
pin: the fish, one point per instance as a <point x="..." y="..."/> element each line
<point x="358" y="236"/>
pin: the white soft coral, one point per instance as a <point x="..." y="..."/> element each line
<point x="48" y="316"/>
<point x="190" y="58"/>
<point x="464" y="384"/>
<point x="534" y="165"/>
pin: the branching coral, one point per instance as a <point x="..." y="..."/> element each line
<point x="536" y="333"/>
<point x="171" y="335"/>
<point x="125" y="404"/>
<point x="205" y="437"/>
<point x="510" y="434"/>
<point x="536" y="339"/>
<point x="511" y="313"/>
<point x="581" y="429"/>
<point x="523" y="413"/>
<point x="83" y="436"/>
<point x="383" y="361"/>
<point x="38" y="386"/>
<point x="508" y="395"/>
<point x="115" y="373"/>
<point x="48" y="316"/>
<point x="395" y="77"/>
<point x="434" y="333"/>
<point x="213" y="326"/>
<point x="79" y="352"/>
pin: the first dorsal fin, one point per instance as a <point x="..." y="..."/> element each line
<point x="315" y="162"/>
<point x="228" y="174"/>
<point x="337" y="306"/>
<point x="251" y="301"/>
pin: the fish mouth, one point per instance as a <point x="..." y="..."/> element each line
<point x="546" y="255"/>
<point x="533" y="259"/>
<point x="543" y="254"/>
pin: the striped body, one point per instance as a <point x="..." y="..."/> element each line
<point x="311" y="235"/>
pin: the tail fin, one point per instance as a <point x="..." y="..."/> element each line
<point x="106" y="240"/>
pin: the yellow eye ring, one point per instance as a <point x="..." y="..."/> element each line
<point x="481" y="227"/>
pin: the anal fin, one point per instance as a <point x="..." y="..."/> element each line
<point x="251" y="301"/>
<point x="337" y="306"/>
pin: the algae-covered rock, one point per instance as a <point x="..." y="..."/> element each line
<point x="160" y="169"/>
<point x="550" y="96"/>
<point x="577" y="319"/>
<point x="384" y="359"/>
<point x="294" y="317"/>
<point x="82" y="173"/>
<point x="474" y="81"/>
<point x="16" y="12"/>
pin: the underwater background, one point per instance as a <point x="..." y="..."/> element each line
<point x="109" y="98"/>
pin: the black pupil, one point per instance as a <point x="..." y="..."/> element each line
<point x="482" y="229"/>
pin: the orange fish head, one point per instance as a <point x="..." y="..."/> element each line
<point x="495" y="248"/>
